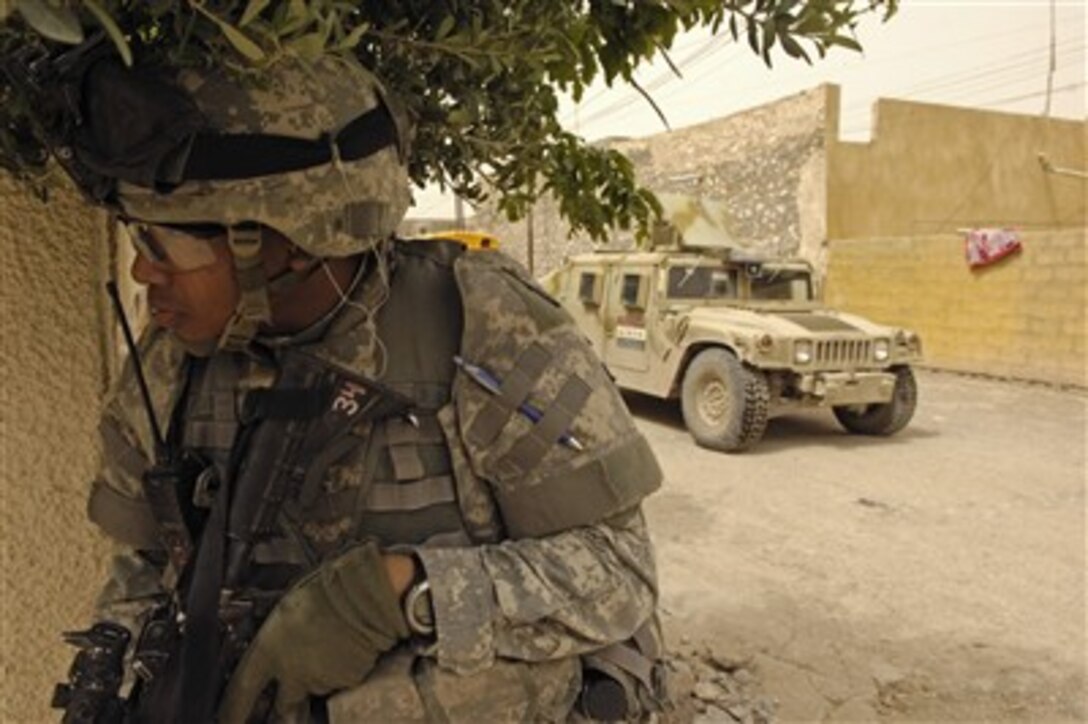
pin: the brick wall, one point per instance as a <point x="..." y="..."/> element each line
<point x="1023" y="317"/>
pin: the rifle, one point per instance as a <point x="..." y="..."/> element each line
<point x="190" y="645"/>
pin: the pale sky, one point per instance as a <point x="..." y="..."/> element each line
<point x="990" y="54"/>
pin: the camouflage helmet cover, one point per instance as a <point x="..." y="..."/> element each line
<point x="335" y="209"/>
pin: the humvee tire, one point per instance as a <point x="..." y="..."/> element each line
<point x="725" y="404"/>
<point x="884" y="418"/>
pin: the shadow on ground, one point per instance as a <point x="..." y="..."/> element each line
<point x="791" y="431"/>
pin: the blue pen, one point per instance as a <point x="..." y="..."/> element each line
<point x="492" y="384"/>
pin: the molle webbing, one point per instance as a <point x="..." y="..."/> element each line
<point x="531" y="447"/>
<point x="299" y="430"/>
<point x="210" y="422"/>
<point x="514" y="391"/>
<point x="409" y="495"/>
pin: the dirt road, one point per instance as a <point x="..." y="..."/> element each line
<point x="936" y="575"/>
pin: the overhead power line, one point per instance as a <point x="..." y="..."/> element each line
<point x="708" y="49"/>
<point x="1037" y="94"/>
<point x="1024" y="59"/>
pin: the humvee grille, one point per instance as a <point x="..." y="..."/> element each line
<point x="844" y="352"/>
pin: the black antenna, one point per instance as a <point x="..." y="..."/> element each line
<point x="160" y="441"/>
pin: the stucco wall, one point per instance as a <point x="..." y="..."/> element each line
<point x="1023" y="317"/>
<point x="934" y="169"/>
<point x="53" y="373"/>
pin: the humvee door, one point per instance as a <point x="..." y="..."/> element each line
<point x="626" y="325"/>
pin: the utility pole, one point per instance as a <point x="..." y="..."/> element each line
<point x="529" y="239"/>
<point x="459" y="212"/>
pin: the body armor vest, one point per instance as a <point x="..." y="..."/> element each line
<point x="392" y="478"/>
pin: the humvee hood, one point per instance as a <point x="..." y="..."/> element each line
<point x="790" y="323"/>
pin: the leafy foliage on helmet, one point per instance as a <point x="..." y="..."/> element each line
<point x="480" y="78"/>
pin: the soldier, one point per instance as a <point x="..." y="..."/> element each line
<point x="456" y="531"/>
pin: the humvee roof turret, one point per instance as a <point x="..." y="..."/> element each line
<point x="737" y="338"/>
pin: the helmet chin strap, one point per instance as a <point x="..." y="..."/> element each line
<point x="253" y="308"/>
<point x="254" y="288"/>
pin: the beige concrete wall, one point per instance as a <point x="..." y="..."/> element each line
<point x="934" y="169"/>
<point x="1023" y="317"/>
<point x="53" y="373"/>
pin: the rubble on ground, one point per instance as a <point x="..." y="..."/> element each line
<point x="711" y="687"/>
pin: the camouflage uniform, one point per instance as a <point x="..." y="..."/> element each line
<point x="536" y="551"/>
<point x="514" y="608"/>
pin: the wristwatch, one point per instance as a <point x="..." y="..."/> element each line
<point x="418" y="608"/>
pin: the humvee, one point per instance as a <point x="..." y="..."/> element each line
<point x="737" y="338"/>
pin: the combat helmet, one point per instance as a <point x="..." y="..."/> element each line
<point x="316" y="151"/>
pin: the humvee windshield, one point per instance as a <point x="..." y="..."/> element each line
<point x="777" y="283"/>
<point x="702" y="282"/>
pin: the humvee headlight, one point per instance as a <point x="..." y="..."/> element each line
<point x="880" y="350"/>
<point x="765" y="343"/>
<point x="802" y="352"/>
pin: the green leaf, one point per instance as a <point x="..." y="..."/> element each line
<point x="241" y="42"/>
<point x="770" y="32"/>
<point x="56" y="23"/>
<point x="753" y="37"/>
<point x="298" y="17"/>
<point x="445" y="27"/>
<point x="459" y="117"/>
<point x="253" y="9"/>
<point x="793" y="48"/>
<point x="845" y="41"/>
<point x="112" y="30"/>
<point x="352" y="39"/>
<point x="309" y="46"/>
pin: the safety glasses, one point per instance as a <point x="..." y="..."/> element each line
<point x="181" y="248"/>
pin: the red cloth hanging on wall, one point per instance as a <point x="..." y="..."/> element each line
<point x="983" y="247"/>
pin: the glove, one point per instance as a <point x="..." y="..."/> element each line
<point x="326" y="633"/>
